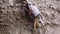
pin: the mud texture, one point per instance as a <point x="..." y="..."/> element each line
<point x="14" y="21"/>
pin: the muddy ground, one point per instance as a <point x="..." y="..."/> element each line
<point x="12" y="20"/>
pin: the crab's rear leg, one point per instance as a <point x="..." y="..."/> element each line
<point x="36" y="22"/>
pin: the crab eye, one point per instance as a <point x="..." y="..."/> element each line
<point x="33" y="4"/>
<point x="29" y="4"/>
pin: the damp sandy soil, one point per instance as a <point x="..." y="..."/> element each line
<point x="12" y="21"/>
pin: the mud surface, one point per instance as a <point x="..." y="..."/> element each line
<point x="12" y="21"/>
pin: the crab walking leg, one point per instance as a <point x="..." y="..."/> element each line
<point x="35" y="24"/>
<point x="38" y="24"/>
<point x="42" y="20"/>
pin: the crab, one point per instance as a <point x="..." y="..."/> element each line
<point x="33" y="10"/>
